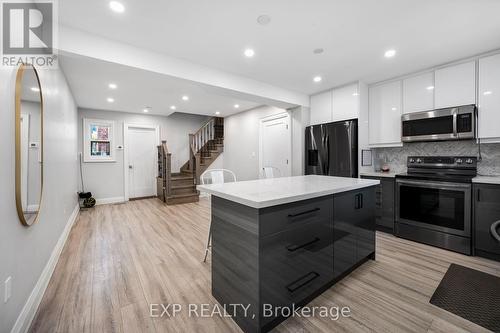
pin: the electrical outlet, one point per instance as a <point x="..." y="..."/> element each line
<point x="8" y="289"/>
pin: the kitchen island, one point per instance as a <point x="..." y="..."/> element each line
<point x="281" y="242"/>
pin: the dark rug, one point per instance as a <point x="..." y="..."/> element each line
<point x="470" y="294"/>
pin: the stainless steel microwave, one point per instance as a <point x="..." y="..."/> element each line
<point x="457" y="123"/>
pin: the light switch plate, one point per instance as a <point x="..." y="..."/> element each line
<point x="8" y="289"/>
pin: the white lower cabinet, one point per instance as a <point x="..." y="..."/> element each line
<point x="489" y="98"/>
<point x="384" y="114"/>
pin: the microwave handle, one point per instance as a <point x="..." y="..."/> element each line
<point x="455" y="121"/>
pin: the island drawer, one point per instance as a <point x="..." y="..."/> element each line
<point x="295" y="264"/>
<point x="279" y="218"/>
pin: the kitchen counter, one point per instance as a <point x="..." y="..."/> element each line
<point x="263" y="193"/>
<point x="281" y="242"/>
<point x="487" y="180"/>
<point x="389" y="174"/>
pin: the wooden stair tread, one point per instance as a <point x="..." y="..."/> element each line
<point x="181" y="178"/>
<point x="177" y="187"/>
<point x="173" y="196"/>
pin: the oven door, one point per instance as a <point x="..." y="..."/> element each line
<point x="439" y="206"/>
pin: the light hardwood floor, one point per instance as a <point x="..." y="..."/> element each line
<point x="121" y="258"/>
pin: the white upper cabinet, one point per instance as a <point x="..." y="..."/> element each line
<point x="455" y="85"/>
<point x="489" y="97"/>
<point x="346" y="103"/>
<point x="418" y="93"/>
<point x="384" y="114"/>
<point x="321" y="108"/>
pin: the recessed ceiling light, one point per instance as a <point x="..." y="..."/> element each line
<point x="317" y="79"/>
<point x="249" y="53"/>
<point x="355" y="94"/>
<point x="35" y="89"/>
<point x="264" y="19"/>
<point x="173" y="107"/>
<point x="318" y="51"/>
<point x="236" y="106"/>
<point x="112" y="86"/>
<point x="394" y="109"/>
<point x="116" y="6"/>
<point x="430" y="88"/>
<point x="217" y="112"/>
<point x="487" y="93"/>
<point x="185" y="98"/>
<point x="110" y="100"/>
<point x="390" y="53"/>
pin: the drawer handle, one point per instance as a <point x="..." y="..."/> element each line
<point x="494" y="231"/>
<point x="309" y="277"/>
<point x="294" y="248"/>
<point x="304" y="213"/>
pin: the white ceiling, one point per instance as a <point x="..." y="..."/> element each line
<point x="353" y="33"/>
<point x="89" y="79"/>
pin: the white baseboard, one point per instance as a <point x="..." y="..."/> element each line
<point x="28" y="312"/>
<point x="107" y="201"/>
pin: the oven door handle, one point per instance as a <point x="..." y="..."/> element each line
<point x="436" y="185"/>
<point x="455" y="122"/>
<point x="494" y="230"/>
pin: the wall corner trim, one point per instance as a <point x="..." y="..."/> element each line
<point x="30" y="308"/>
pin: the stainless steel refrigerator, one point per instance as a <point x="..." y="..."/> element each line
<point x="332" y="149"/>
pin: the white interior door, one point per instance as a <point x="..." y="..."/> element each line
<point x="142" y="162"/>
<point x="276" y="144"/>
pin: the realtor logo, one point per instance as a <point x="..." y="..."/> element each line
<point x="28" y="33"/>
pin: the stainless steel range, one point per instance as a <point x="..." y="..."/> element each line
<point x="434" y="201"/>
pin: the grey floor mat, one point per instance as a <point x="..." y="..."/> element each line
<point x="470" y="294"/>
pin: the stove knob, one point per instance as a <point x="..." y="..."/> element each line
<point x="419" y="160"/>
<point x="459" y="161"/>
<point x="412" y="160"/>
<point x="469" y="161"/>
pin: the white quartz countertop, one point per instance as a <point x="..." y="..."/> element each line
<point x="487" y="179"/>
<point x="378" y="174"/>
<point x="263" y="193"/>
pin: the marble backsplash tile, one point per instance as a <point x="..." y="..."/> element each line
<point x="396" y="157"/>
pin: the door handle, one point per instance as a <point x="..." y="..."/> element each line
<point x="494" y="230"/>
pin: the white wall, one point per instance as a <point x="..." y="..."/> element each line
<point x="241" y="140"/>
<point x="24" y="252"/>
<point x="105" y="180"/>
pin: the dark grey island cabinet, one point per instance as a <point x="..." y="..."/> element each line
<point x="285" y="255"/>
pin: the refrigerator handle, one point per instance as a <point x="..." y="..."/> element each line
<point x="327" y="171"/>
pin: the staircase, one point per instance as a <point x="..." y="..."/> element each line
<point x="204" y="147"/>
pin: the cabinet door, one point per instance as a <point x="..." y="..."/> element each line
<point x="486" y="212"/>
<point x="387" y="203"/>
<point x="384" y="118"/>
<point x="321" y="108"/>
<point x="489" y="97"/>
<point x="346" y="103"/>
<point x="418" y="93"/>
<point x="455" y="85"/>
<point x="344" y="233"/>
<point x="365" y="225"/>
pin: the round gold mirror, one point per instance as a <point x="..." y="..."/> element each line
<point x="29" y="144"/>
